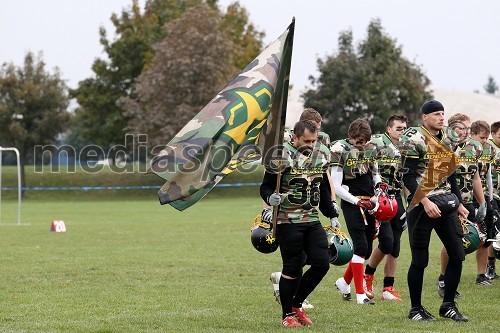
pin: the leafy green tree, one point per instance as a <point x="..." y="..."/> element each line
<point x="99" y="119"/>
<point x="373" y="81"/>
<point x="491" y="86"/>
<point x="191" y="65"/>
<point x="33" y="107"/>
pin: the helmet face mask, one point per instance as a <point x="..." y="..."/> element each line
<point x="262" y="236"/>
<point x="340" y="246"/>
<point x="386" y="206"/>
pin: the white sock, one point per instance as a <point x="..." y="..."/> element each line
<point x="360" y="298"/>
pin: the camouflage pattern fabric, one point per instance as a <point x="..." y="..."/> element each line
<point x="226" y="132"/>
<point x="352" y="160"/>
<point x="468" y="154"/>
<point x="436" y="160"/>
<point x="388" y="159"/>
<point x="300" y="183"/>
<point x="484" y="162"/>
<point x="357" y="165"/>
<point x="495" y="170"/>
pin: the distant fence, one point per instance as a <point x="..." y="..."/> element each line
<point x="103" y="188"/>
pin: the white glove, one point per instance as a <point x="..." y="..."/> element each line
<point x="481" y="212"/>
<point x="336" y="207"/>
<point x="335" y="222"/>
<point x="405" y="223"/>
<point x="275" y="199"/>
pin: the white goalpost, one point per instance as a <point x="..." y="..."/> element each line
<point x="2" y="149"/>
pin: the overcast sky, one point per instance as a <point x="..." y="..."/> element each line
<point x="457" y="42"/>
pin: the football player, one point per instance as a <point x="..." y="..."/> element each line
<point x="267" y="215"/>
<point x="354" y="177"/>
<point x="480" y="131"/>
<point x="495" y="201"/>
<point x="303" y="181"/>
<point x="468" y="152"/>
<point x="434" y="201"/>
<point x="389" y="162"/>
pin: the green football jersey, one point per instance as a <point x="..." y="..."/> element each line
<point x="357" y="167"/>
<point x="468" y="154"/>
<point x="495" y="170"/>
<point x="387" y="157"/>
<point x="484" y="163"/>
<point x="420" y="144"/>
<point x="300" y="183"/>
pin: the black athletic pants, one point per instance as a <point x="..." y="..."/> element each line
<point x="449" y="230"/>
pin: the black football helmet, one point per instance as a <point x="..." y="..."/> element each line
<point x="262" y="236"/>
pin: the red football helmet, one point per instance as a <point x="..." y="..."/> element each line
<point x="386" y="206"/>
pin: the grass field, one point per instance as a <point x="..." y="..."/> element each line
<point x="136" y="266"/>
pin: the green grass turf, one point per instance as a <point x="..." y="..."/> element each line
<point x="136" y="266"/>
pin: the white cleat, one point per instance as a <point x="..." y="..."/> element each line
<point x="275" y="280"/>
<point x="306" y="305"/>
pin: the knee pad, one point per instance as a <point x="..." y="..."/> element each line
<point x="361" y="250"/>
<point x="420" y="257"/>
<point x="319" y="270"/>
<point x="385" y="244"/>
<point x="396" y="247"/>
<point x="293" y="268"/>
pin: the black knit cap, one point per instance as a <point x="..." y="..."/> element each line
<point x="431" y="106"/>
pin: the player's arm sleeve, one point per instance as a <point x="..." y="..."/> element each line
<point x="268" y="185"/>
<point x="410" y="175"/>
<point x="489" y="183"/>
<point x="337" y="177"/>
<point x="454" y="186"/>
<point x="325" y="202"/>
<point x="376" y="178"/>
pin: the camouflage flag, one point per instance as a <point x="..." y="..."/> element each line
<point x="227" y="131"/>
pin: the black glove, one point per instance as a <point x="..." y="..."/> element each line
<point x="267" y="215"/>
<point x="382" y="186"/>
<point x="494" y="205"/>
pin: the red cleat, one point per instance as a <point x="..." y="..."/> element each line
<point x="302" y="317"/>
<point x="368" y="284"/>
<point x="289" y="321"/>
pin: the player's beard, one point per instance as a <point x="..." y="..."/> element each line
<point x="305" y="150"/>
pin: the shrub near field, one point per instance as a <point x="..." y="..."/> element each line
<point x="136" y="266"/>
<point x="109" y="178"/>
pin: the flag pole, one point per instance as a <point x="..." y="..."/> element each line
<point x="283" y="107"/>
<point x="275" y="208"/>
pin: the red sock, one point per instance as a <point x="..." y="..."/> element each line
<point x="358" y="274"/>
<point x="348" y="274"/>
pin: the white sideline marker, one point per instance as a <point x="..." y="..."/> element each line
<point x="58" y="226"/>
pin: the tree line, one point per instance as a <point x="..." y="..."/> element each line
<point x="169" y="59"/>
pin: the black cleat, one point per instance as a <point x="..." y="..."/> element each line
<point x="490" y="273"/>
<point x="482" y="279"/>
<point x="347" y="297"/>
<point x="368" y="301"/>
<point x="420" y="314"/>
<point x="449" y="310"/>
